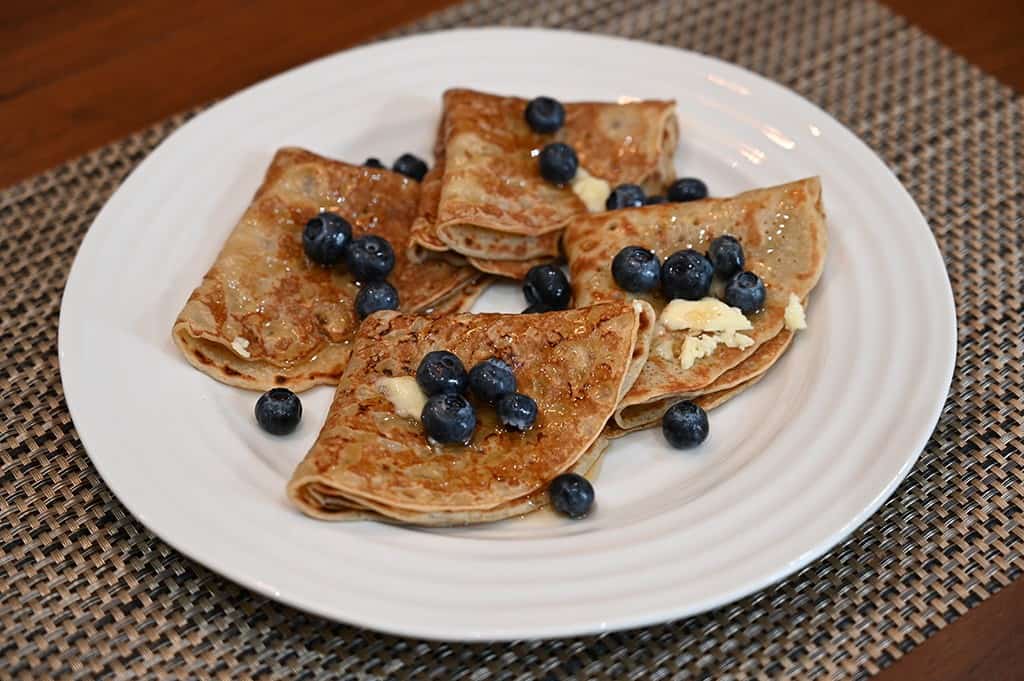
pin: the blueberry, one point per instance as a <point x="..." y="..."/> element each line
<point x="536" y="308"/>
<point x="687" y="275"/>
<point x="685" y="425"/>
<point x="726" y="255"/>
<point x="654" y="200"/>
<point x="571" y="494"/>
<point x="449" y="419"/>
<point x="636" y="269"/>
<point x="278" y="411"/>
<point x="491" y="380"/>
<point x="517" y="411"/>
<point x="547" y="285"/>
<point x="746" y="291"/>
<point x="558" y="163"/>
<point x="374" y="296"/>
<point x="625" y="196"/>
<point x="373" y="162"/>
<point x="325" y="238"/>
<point x="544" y="114"/>
<point x="441" y="372"/>
<point x="687" y="189"/>
<point x="410" y="166"/>
<point x="370" y="258"/>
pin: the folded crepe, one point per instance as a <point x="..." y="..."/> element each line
<point x="485" y="199"/>
<point x="266" y="316"/>
<point x="373" y="459"/>
<point x="715" y="394"/>
<point x="782" y="230"/>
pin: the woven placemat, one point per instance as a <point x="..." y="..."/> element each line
<point x="87" y="592"/>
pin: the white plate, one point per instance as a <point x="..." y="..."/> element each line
<point x="791" y="467"/>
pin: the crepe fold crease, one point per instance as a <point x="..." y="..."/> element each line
<point x="265" y="316"/>
<point x="370" y="462"/>
<point x="783" y="233"/>
<point x="485" y="200"/>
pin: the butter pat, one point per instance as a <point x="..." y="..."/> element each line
<point x="734" y="339"/>
<point x="696" y="347"/>
<point x="794" y="316"/>
<point x="707" y="314"/>
<point x="664" y="349"/>
<point x="715" y="322"/>
<point x="593" y="191"/>
<point x="404" y="394"/>
<point x="241" y="346"/>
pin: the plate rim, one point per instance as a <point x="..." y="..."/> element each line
<point x="449" y="632"/>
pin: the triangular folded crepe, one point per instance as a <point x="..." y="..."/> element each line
<point x="485" y="199"/>
<point x="782" y="230"/>
<point x="370" y="461"/>
<point x="715" y="394"/>
<point x="265" y="316"/>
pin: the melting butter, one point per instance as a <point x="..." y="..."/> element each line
<point x="714" y="322"/>
<point x="241" y="346"/>
<point x="404" y="394"/>
<point x="593" y="191"/>
<point x="794" y="316"/>
<point x="707" y="314"/>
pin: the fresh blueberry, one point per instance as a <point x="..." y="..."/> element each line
<point x="571" y="494"/>
<point x="686" y="274"/>
<point x="278" y="411"/>
<point x="410" y="166"/>
<point x="374" y="296"/>
<point x="449" y="419"/>
<point x="544" y="114"/>
<point x="687" y="189"/>
<point x="654" y="200"/>
<point x="746" y="291"/>
<point x="547" y="285"/>
<point x="441" y="372"/>
<point x="726" y="255"/>
<point x="517" y="411"/>
<point x="636" y="269"/>
<point x="373" y="162"/>
<point x="492" y="379"/>
<point x="558" y="163"/>
<point x="685" y="425"/>
<point x="370" y="258"/>
<point x="325" y="238"/>
<point x="536" y="308"/>
<point x="625" y="196"/>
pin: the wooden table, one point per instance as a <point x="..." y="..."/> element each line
<point x="77" y="75"/>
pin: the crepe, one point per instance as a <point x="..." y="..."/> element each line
<point x="485" y="198"/>
<point x="784" y="237"/>
<point x="718" y="392"/>
<point x="265" y="316"/>
<point x="576" y="364"/>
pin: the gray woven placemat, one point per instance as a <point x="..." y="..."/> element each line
<point x="86" y="591"/>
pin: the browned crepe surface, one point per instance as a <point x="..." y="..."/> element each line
<point x="783" y="233"/>
<point x="486" y="198"/>
<point x="576" y="364"/>
<point x="296" y="319"/>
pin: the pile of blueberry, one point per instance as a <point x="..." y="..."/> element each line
<point x="409" y="165"/>
<point x="687" y="274"/>
<point x="327" y="240"/>
<point x="448" y="417"/>
<point x="546" y="288"/>
<point x="558" y="163"/>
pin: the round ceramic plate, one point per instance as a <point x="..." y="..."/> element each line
<point x="792" y="466"/>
